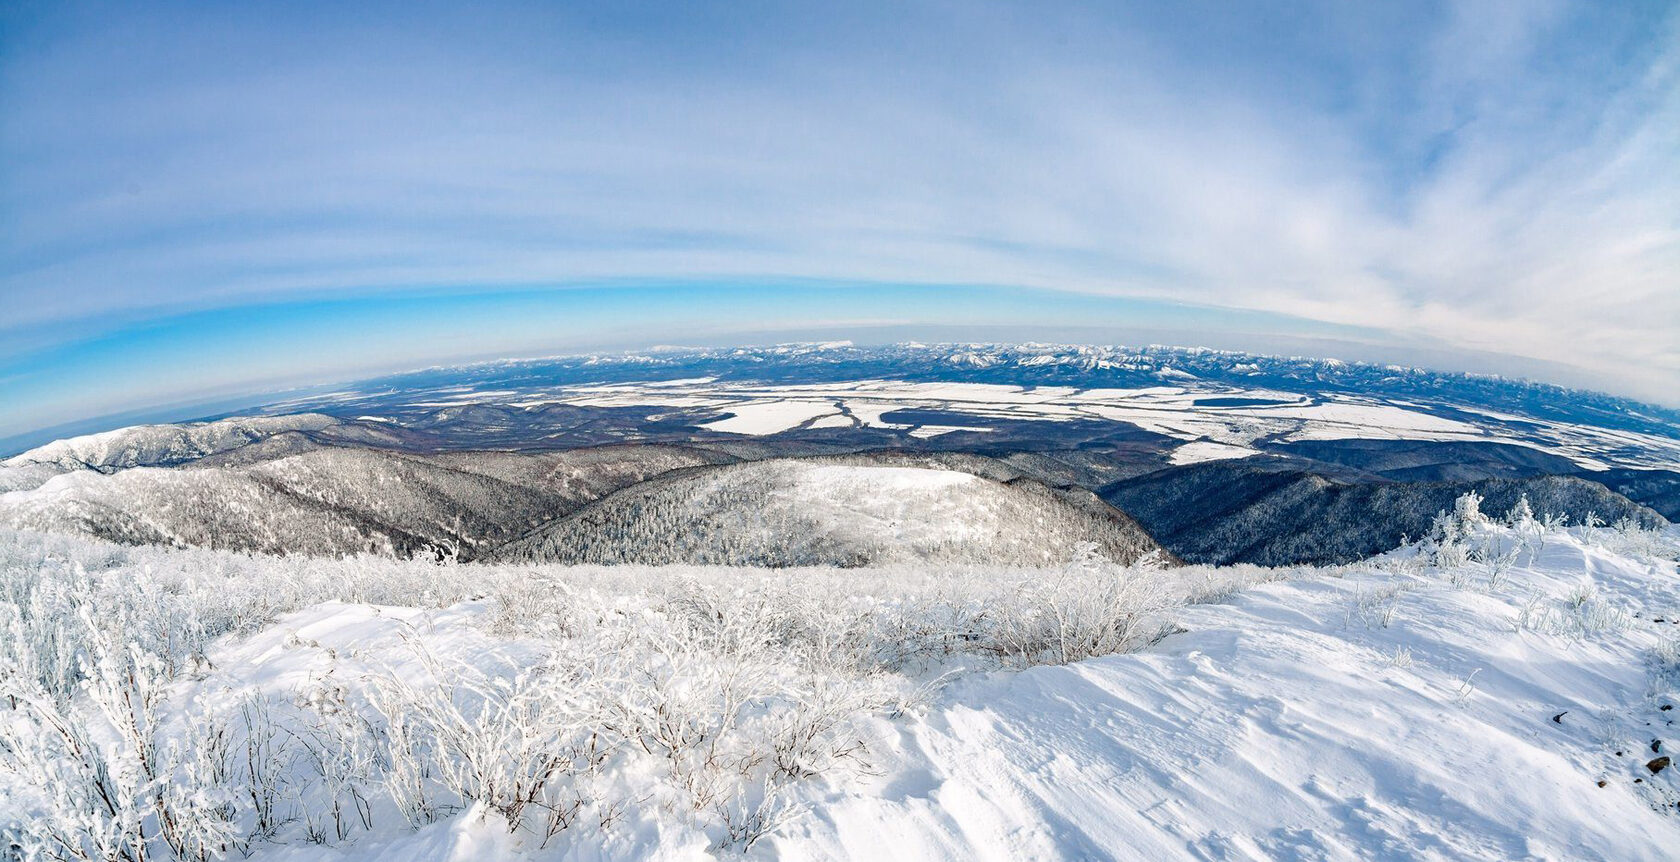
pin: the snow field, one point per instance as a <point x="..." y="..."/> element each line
<point x="1198" y="451"/>
<point x="190" y="704"/>
<point x="1494" y="692"/>
<point x="1401" y="711"/>
<point x="772" y="416"/>
<point x="1170" y="410"/>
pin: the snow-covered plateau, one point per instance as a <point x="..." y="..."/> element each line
<point x="1499" y="690"/>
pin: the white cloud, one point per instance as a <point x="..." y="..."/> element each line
<point x="1499" y="180"/>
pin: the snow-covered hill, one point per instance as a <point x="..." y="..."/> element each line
<point x="335" y="500"/>
<point x="848" y="512"/>
<point x="1499" y="692"/>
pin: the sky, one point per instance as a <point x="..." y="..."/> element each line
<point x="200" y="201"/>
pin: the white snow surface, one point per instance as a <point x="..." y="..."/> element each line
<point x="1198" y="451"/>
<point x="1277" y="726"/>
<point x="914" y="505"/>
<point x="1404" y="708"/>
<point x="772" y="416"/>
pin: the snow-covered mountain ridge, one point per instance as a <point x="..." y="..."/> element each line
<point x="165" y="445"/>
<point x="148" y="446"/>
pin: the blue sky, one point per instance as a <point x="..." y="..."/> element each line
<point x="202" y="200"/>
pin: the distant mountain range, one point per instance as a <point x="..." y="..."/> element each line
<point x="805" y="455"/>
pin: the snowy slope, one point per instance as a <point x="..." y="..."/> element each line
<point x="1497" y="694"/>
<point x="327" y="502"/>
<point x="1283" y="725"/>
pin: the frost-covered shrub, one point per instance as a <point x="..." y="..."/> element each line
<point x="1631" y="539"/>
<point x="1450" y="537"/>
<point x="1089" y="607"/>
<point x="1578" y="613"/>
<point x="1464" y="543"/>
<point x="1375" y="607"/>
<point x="100" y="780"/>
<point x="722" y="698"/>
